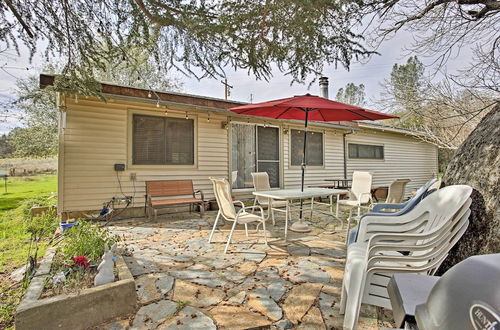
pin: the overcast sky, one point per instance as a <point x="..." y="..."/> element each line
<point x="371" y="74"/>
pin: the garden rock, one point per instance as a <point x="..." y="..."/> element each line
<point x="18" y="274"/>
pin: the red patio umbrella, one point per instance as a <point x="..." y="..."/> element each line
<point x="309" y="107"/>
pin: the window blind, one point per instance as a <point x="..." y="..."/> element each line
<point x="365" y="151"/>
<point x="162" y="140"/>
<point x="314" y="148"/>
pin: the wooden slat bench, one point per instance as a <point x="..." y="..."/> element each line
<point x="183" y="189"/>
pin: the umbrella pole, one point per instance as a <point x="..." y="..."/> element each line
<point x="300" y="226"/>
<point x="303" y="165"/>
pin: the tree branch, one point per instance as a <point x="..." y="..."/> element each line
<point x="19" y="18"/>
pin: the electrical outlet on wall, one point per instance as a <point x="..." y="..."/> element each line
<point x="133" y="176"/>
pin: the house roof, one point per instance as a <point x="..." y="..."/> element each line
<point x="389" y="128"/>
<point x="164" y="97"/>
<point x="211" y="104"/>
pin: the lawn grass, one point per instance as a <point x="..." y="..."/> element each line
<point x="24" y="187"/>
<point x="14" y="237"/>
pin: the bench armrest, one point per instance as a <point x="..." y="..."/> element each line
<point x="201" y="194"/>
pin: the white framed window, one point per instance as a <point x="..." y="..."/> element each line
<point x="254" y="148"/>
<point x="365" y="151"/>
<point x="314" y="148"/>
<point x="160" y="140"/>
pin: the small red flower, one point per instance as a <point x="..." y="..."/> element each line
<point x="81" y="261"/>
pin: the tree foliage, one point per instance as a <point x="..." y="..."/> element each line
<point x="196" y="37"/>
<point x="36" y="109"/>
<point x="407" y="83"/>
<point x="37" y="112"/>
<point x="352" y="94"/>
<point x="441" y="29"/>
<point x="446" y="112"/>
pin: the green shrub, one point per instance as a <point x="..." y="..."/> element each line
<point x="87" y="239"/>
<point x="24" y="208"/>
<point x="42" y="225"/>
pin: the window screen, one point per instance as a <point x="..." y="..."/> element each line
<point x="365" y="151"/>
<point x="268" y="156"/>
<point x="254" y="149"/>
<point x="314" y="148"/>
<point x="162" y="140"/>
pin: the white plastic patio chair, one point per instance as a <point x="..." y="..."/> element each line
<point x="222" y="191"/>
<point x="359" y="194"/>
<point x="397" y="191"/>
<point x="426" y="234"/>
<point x="393" y="210"/>
<point x="261" y="183"/>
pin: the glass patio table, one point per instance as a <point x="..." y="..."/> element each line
<point x="289" y="195"/>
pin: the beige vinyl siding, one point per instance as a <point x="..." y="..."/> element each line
<point x="333" y="164"/>
<point x="97" y="135"/>
<point x="404" y="158"/>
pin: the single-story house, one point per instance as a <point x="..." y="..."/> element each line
<point x="165" y="135"/>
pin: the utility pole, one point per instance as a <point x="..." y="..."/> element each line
<point x="227" y="88"/>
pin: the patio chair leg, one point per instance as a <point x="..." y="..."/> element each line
<point x="265" y="234"/>
<point x="359" y="210"/>
<point x="215" y="226"/>
<point x="229" y="238"/>
<point x="353" y="304"/>
<point x="286" y="220"/>
<point x="246" y="229"/>
<point x="343" y="298"/>
<point x="354" y="296"/>
<point x="312" y="207"/>
<point x="272" y="214"/>
<point x="349" y="219"/>
<point x="156" y="213"/>
<point x="202" y="210"/>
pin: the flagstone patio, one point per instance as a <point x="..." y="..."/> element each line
<point x="183" y="282"/>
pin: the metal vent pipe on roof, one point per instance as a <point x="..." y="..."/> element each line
<point x="323" y="87"/>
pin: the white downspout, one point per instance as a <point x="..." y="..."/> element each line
<point x="61" y="105"/>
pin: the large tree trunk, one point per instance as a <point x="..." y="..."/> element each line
<point x="477" y="164"/>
